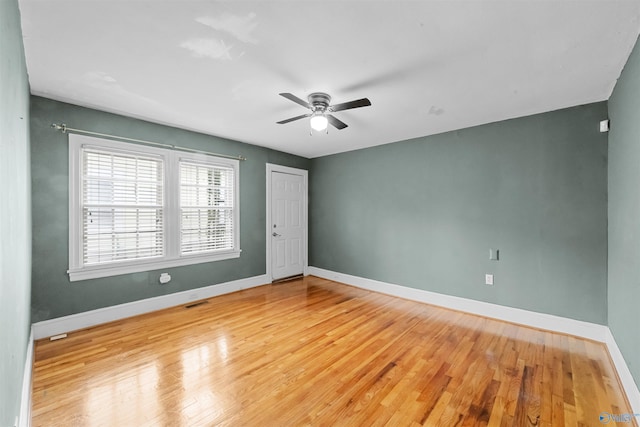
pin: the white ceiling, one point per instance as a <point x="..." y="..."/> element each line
<point x="427" y="66"/>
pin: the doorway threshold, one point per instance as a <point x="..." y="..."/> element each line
<point x="287" y="279"/>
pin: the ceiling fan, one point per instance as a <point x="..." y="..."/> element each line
<point x="319" y="104"/>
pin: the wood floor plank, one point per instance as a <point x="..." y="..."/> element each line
<point x="317" y="352"/>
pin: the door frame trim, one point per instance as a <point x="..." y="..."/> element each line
<point x="305" y="215"/>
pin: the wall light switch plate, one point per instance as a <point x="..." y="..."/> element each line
<point x="604" y="126"/>
<point x="488" y="279"/>
<point x="494" y="254"/>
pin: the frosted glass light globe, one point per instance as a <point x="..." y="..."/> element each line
<point x="319" y="122"/>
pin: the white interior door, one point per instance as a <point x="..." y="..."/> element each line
<point x="288" y="225"/>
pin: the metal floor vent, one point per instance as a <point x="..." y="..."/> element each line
<point x="57" y="337"/>
<point x="195" y="304"/>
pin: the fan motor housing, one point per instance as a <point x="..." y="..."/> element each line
<point x="320" y="101"/>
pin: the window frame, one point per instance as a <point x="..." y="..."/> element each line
<point x="171" y="210"/>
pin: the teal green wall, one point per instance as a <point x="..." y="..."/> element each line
<point x="15" y="212"/>
<point x="53" y="294"/>
<point x="424" y="213"/>
<point x="624" y="213"/>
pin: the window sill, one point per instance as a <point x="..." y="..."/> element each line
<point x="95" y="272"/>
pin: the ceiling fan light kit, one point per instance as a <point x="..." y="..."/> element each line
<point x="318" y="121"/>
<point x="319" y="104"/>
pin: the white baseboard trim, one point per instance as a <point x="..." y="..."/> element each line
<point x="24" y="419"/>
<point x="515" y="315"/>
<point x="544" y="321"/>
<point x="73" y="322"/>
<point x="630" y="387"/>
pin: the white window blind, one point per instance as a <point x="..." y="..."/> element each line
<point x="206" y="208"/>
<point x="122" y="206"/>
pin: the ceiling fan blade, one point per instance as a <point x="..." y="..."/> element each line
<point x="293" y="119"/>
<point x="292" y="97"/>
<point x="338" y="124"/>
<point x="364" y="102"/>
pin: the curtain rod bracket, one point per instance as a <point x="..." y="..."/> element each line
<point x="62" y="127"/>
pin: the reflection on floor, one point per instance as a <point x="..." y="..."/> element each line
<point x="316" y="352"/>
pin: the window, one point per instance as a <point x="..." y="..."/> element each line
<point x="122" y="206"/>
<point x="137" y="208"/>
<point x="206" y="208"/>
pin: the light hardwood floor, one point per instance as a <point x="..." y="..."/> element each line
<point x="316" y="352"/>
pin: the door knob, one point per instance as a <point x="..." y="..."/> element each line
<point x="274" y="234"/>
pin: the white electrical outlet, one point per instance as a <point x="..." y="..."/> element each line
<point x="488" y="279"/>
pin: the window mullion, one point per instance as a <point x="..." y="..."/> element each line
<point x="172" y="206"/>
